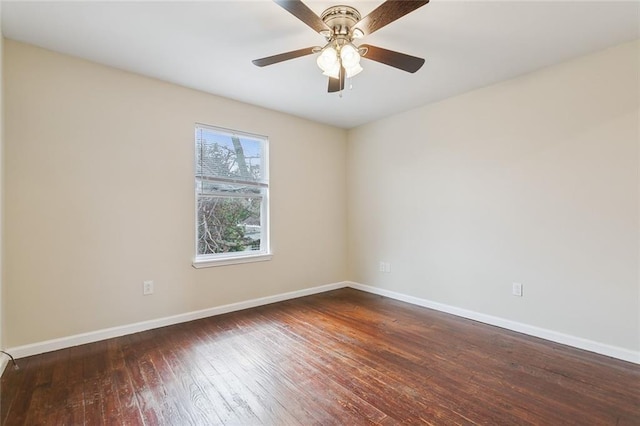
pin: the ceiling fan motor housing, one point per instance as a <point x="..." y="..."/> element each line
<point x="341" y="19"/>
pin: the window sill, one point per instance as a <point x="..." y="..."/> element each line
<point x="231" y="260"/>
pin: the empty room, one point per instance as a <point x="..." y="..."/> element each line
<point x="285" y="212"/>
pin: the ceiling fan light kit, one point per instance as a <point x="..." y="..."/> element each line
<point x="339" y="54"/>
<point x="341" y="25"/>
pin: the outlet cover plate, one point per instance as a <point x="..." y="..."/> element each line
<point x="517" y="289"/>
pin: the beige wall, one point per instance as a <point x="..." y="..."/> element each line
<point x="99" y="197"/>
<point x="534" y="180"/>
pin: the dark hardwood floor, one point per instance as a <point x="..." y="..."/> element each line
<point x="343" y="357"/>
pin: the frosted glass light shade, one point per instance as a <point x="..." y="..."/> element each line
<point x="355" y="70"/>
<point x="333" y="72"/>
<point x="349" y="56"/>
<point x="328" y="59"/>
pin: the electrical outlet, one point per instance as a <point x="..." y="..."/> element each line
<point x="385" y="267"/>
<point x="516" y="289"/>
<point x="147" y="288"/>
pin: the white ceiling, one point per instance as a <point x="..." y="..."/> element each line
<point x="209" y="46"/>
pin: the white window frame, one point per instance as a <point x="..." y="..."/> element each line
<point x="232" y="258"/>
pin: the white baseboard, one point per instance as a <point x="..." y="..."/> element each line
<point x="554" y="336"/>
<point x="108" y="333"/>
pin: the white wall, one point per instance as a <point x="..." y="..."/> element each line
<point x="99" y="197"/>
<point x="534" y="180"/>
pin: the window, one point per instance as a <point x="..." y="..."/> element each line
<point x="232" y="197"/>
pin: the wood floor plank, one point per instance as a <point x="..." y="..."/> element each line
<point x="396" y="398"/>
<point x="227" y="385"/>
<point x="13" y="382"/>
<point x="301" y="371"/>
<point x="136" y="350"/>
<point x="129" y="410"/>
<point x="19" y="409"/>
<point x="341" y="357"/>
<point x="291" y="383"/>
<point x="187" y="386"/>
<point x="62" y="389"/>
<point x="249" y="381"/>
<point x="470" y="355"/>
<point x="377" y="361"/>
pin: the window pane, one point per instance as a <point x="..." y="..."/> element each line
<point x="219" y="154"/>
<point x="228" y="225"/>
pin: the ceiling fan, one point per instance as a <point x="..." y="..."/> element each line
<point x="339" y="58"/>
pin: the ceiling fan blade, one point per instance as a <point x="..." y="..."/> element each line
<point x="386" y="13"/>
<point x="270" y="60"/>
<point x="337" y="84"/>
<point x="392" y="58"/>
<point x="303" y="13"/>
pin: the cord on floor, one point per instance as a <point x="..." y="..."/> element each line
<point x="15" y="364"/>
